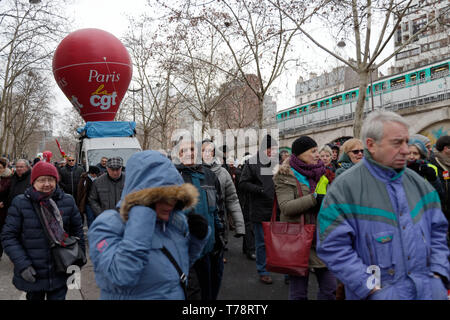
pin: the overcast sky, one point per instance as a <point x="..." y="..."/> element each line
<point x="111" y="16"/>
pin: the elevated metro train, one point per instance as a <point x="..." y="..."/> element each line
<point x="410" y="88"/>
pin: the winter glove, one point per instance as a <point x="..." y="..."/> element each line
<point x="198" y="225"/>
<point x="427" y="172"/>
<point x="28" y="274"/>
<point x="319" y="199"/>
<point x="414" y="165"/>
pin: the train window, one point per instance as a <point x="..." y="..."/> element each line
<point x="292" y="113"/>
<point x="347" y="96"/>
<point x="327" y="102"/>
<point x="422" y="75"/>
<point x="397" y="81"/>
<point x="353" y="94"/>
<point x="438" y="69"/>
<point x="380" y="86"/>
<point x="412" y="77"/>
<point x="336" y="100"/>
<point x="313" y="107"/>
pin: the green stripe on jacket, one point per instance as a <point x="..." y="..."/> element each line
<point x="429" y="201"/>
<point x="333" y="215"/>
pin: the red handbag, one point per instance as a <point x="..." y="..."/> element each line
<point x="287" y="244"/>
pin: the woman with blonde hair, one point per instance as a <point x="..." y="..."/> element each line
<point x="353" y="152"/>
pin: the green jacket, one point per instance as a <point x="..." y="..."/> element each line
<point x="292" y="206"/>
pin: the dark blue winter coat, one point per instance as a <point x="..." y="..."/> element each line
<point x="26" y="244"/>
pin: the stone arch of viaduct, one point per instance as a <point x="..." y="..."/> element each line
<point x="431" y="120"/>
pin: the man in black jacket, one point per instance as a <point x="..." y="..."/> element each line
<point x="70" y="177"/>
<point x="20" y="181"/>
<point x="441" y="160"/>
<point x="256" y="180"/>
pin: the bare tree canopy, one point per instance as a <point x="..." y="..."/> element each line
<point x="255" y="34"/>
<point x="29" y="34"/>
<point x="353" y="21"/>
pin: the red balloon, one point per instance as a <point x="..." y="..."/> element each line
<point x="93" y="69"/>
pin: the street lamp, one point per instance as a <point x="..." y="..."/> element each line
<point x="134" y="101"/>
<point x="342" y="44"/>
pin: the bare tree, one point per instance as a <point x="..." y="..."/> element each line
<point x="257" y="36"/>
<point x="27" y="35"/>
<point x="28" y="114"/>
<point x="356" y="18"/>
<point x="240" y="108"/>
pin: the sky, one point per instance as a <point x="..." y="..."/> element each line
<point x="111" y="16"/>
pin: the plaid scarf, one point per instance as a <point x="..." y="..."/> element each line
<point x="51" y="215"/>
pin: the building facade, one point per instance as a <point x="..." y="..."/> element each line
<point x="431" y="45"/>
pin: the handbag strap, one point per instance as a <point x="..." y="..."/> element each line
<point x="183" y="277"/>
<point x="274" y="208"/>
<point x="300" y="194"/>
<point x="41" y="219"/>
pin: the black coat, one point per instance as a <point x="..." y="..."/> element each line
<point x="259" y="188"/>
<point x="18" y="185"/>
<point x="70" y="178"/>
<point x="26" y="244"/>
<point x="445" y="196"/>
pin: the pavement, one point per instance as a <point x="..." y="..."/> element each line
<point x="240" y="280"/>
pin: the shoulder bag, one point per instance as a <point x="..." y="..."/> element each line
<point x="288" y="244"/>
<point x="64" y="255"/>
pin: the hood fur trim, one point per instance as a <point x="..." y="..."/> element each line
<point x="285" y="169"/>
<point x="187" y="194"/>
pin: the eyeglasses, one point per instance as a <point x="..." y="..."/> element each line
<point x="46" y="180"/>
<point x="355" y="152"/>
<point x="71" y="160"/>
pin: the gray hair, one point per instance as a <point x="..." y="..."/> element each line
<point x="27" y="163"/>
<point x="374" y="123"/>
<point x="326" y="149"/>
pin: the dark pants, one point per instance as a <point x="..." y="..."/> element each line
<point x="260" y="249"/>
<point x="248" y="241"/>
<point x="90" y="216"/>
<point x="58" y="294"/>
<point x="298" y="286"/>
<point x="209" y="272"/>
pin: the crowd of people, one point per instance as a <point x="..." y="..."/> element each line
<point x="380" y="205"/>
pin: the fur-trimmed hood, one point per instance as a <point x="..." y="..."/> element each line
<point x="285" y="169"/>
<point x="151" y="178"/>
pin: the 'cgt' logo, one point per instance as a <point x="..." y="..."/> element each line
<point x="105" y="101"/>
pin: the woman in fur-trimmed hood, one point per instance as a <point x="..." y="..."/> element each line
<point x="126" y="247"/>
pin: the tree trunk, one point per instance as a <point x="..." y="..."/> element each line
<point x="261" y="112"/>
<point x="359" y="111"/>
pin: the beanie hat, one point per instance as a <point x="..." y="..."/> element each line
<point x="442" y="142"/>
<point x="302" y="144"/>
<point x="43" y="168"/>
<point x="420" y="146"/>
<point x="421" y="138"/>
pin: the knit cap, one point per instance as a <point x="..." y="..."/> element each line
<point x="302" y="144"/>
<point x="43" y="168"/>
<point x="420" y="146"/>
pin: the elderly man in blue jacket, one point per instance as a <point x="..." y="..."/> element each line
<point x="381" y="230"/>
